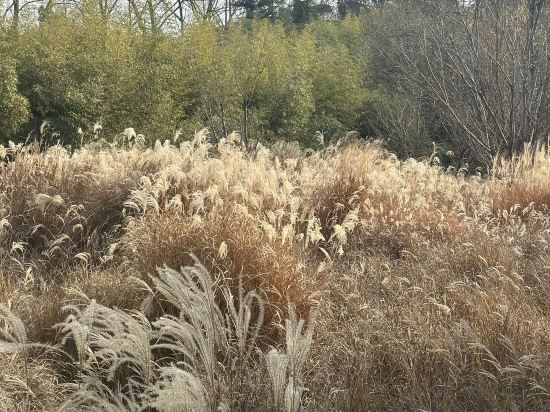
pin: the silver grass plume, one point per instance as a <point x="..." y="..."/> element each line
<point x="13" y="336"/>
<point x="277" y="364"/>
<point x="178" y="390"/>
<point x="286" y="369"/>
<point x="199" y="332"/>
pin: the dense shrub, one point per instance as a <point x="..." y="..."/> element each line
<point x="14" y="108"/>
<point x="81" y="72"/>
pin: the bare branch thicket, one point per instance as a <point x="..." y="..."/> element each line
<point x="485" y="64"/>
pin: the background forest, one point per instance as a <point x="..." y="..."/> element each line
<point x="82" y="67"/>
<point x="469" y="76"/>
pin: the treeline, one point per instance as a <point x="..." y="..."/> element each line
<point x="254" y="77"/>
<point x="470" y="77"/>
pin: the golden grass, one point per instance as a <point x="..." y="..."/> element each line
<point x="431" y="286"/>
<point x="233" y="246"/>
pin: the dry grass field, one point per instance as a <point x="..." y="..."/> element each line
<point x="199" y="277"/>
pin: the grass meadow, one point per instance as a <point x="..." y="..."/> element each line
<point x="192" y="276"/>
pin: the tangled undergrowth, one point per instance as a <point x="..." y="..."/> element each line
<point x="200" y="277"/>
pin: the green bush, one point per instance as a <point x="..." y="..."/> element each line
<point x="14" y="108"/>
<point x="255" y="77"/>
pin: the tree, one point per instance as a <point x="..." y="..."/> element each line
<point x="262" y="79"/>
<point x="260" y="9"/>
<point x="305" y="11"/>
<point x="261" y="91"/>
<point x="79" y="73"/>
<point x="14" y="108"/>
<point x="486" y="63"/>
<point x="337" y="75"/>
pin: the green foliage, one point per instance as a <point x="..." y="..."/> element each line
<point x="278" y="84"/>
<point x="61" y="69"/>
<point x="254" y="77"/>
<point x="266" y="9"/>
<point x="78" y="74"/>
<point x="14" y="109"/>
<point x="260" y="91"/>
<point x="270" y="76"/>
<point x="305" y="11"/>
<point x="337" y="75"/>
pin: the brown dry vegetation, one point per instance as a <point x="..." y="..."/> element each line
<point x="424" y="289"/>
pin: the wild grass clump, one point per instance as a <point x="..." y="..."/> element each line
<point x="200" y="276"/>
<point x="521" y="182"/>
<point x="200" y="358"/>
<point x="233" y="244"/>
<point x="58" y="206"/>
